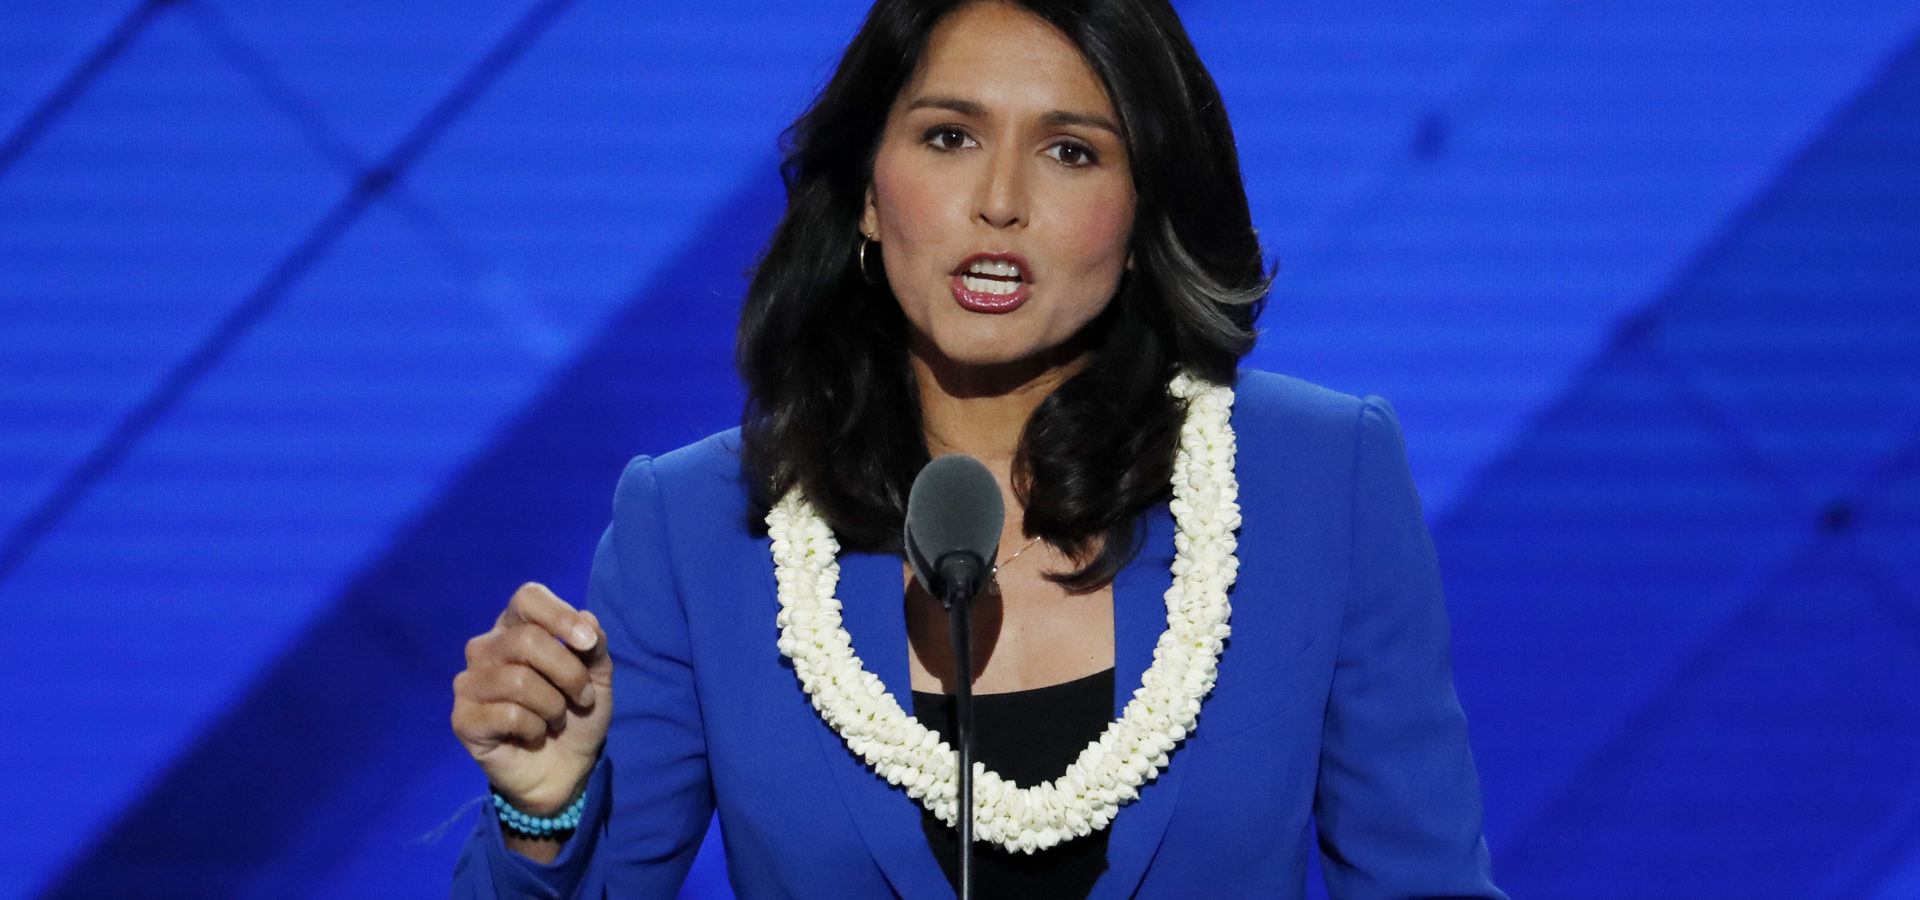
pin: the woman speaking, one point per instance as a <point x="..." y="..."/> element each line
<point x="1015" y="231"/>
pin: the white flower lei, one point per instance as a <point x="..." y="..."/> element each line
<point x="1132" y="751"/>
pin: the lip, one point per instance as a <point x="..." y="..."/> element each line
<point x="975" y="301"/>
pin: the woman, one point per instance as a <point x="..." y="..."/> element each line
<point x="1016" y="232"/>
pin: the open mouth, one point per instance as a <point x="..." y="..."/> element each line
<point x="990" y="284"/>
<point x="989" y="276"/>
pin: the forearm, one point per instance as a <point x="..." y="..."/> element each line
<point x="540" y="850"/>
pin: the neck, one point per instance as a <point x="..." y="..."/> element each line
<point x="982" y="410"/>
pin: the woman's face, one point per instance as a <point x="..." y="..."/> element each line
<point x="1002" y="199"/>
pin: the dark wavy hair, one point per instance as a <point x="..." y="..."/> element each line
<point x="832" y="405"/>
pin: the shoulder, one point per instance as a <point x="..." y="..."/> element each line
<point x="714" y="458"/>
<point x="1275" y="399"/>
<point x="1269" y="407"/>
<point x="1311" y="448"/>
<point x="697" y="482"/>
<point x="711" y="460"/>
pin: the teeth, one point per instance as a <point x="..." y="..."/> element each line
<point x="988" y="285"/>
<point x="995" y="267"/>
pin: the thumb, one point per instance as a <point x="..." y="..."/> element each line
<point x="599" y="664"/>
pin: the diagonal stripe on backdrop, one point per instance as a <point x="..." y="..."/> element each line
<point x="48" y="110"/>
<point x="366" y="686"/>
<point x="1670" y="623"/>
<point x="235" y="326"/>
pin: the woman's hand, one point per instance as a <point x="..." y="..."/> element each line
<point x="532" y="710"/>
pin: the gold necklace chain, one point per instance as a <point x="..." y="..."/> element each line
<point x="1016" y="555"/>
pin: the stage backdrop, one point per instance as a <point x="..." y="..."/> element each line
<point x="324" y="325"/>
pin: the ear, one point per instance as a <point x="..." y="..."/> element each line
<point x="870" y="217"/>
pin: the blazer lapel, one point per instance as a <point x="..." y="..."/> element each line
<point x="872" y="588"/>
<point x="1139" y="617"/>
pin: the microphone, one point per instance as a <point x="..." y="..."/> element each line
<point x="954" y="517"/>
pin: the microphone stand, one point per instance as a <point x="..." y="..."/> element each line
<point x="961" y="576"/>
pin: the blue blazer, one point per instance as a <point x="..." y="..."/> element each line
<point x="1334" y="704"/>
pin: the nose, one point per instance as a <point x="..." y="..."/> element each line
<point x="1001" y="199"/>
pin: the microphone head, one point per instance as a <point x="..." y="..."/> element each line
<point x="954" y="506"/>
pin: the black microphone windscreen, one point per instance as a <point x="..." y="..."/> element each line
<point x="954" y="505"/>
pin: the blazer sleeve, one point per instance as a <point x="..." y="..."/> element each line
<point x="652" y="775"/>
<point x="1398" y="801"/>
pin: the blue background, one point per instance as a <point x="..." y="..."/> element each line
<point x="324" y="325"/>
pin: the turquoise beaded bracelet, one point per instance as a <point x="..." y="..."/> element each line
<point x="534" y="826"/>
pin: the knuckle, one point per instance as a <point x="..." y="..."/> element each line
<point x="472" y="722"/>
<point x="469" y="723"/>
<point x="528" y="596"/>
<point x="526" y="640"/>
<point x="520" y="682"/>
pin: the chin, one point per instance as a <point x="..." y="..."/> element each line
<point x="1016" y="340"/>
<point x="1002" y="358"/>
<point x="984" y="354"/>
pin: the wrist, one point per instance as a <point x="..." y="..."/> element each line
<point x="520" y="823"/>
<point x="546" y="799"/>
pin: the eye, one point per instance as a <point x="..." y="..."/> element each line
<point x="1073" y="154"/>
<point x="947" y="138"/>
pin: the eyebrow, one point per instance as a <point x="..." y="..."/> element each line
<point x="1057" y="117"/>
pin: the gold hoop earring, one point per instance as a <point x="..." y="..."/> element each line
<point x="865" y="239"/>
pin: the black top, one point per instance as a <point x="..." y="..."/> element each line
<point x="1028" y="737"/>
